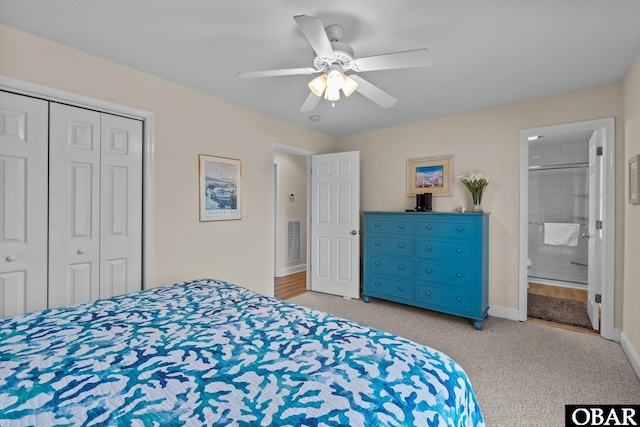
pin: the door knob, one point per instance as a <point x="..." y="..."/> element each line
<point x="354" y="232"/>
<point x="586" y="235"/>
<point x="11" y="258"/>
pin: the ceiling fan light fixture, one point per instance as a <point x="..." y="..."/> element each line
<point x="349" y="85"/>
<point x="318" y="85"/>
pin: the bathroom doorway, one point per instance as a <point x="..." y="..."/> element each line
<point x="567" y="193"/>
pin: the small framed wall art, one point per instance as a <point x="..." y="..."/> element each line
<point x="430" y="175"/>
<point x="634" y="181"/>
<point x="220" y="188"/>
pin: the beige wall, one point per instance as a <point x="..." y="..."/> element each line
<point x="292" y="180"/>
<point x="187" y="123"/>
<point x="631" y="320"/>
<point x="486" y="140"/>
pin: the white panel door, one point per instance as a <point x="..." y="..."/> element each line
<point x="74" y="205"/>
<point x="121" y="206"/>
<point x="594" y="235"/>
<point x="335" y="224"/>
<point x="23" y="204"/>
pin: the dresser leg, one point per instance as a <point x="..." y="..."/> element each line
<point x="478" y="325"/>
<point x="366" y="299"/>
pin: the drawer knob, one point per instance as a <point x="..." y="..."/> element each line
<point x="11" y="258"/>
<point x="428" y="270"/>
<point x="458" y="299"/>
<point x="401" y="245"/>
<point x="377" y="263"/>
<point x="376" y="225"/>
<point x="458" y="274"/>
<point x="459" y="228"/>
<point x="377" y="243"/>
<point x="428" y="248"/>
<point x="377" y="283"/>
<point x="401" y="226"/>
<point x="427" y="293"/>
<point x="428" y="227"/>
<point x="459" y="250"/>
<point x="401" y="288"/>
<point x="401" y="267"/>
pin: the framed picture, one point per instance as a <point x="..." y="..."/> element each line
<point x="634" y="181"/>
<point x="220" y="189"/>
<point x="430" y="175"/>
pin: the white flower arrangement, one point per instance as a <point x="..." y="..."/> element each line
<point x="476" y="183"/>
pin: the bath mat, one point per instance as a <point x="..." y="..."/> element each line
<point x="559" y="310"/>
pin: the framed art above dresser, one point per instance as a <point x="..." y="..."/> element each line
<point x="433" y="260"/>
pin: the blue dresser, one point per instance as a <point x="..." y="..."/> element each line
<point x="433" y="260"/>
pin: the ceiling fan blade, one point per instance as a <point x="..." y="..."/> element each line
<point x="389" y="61"/>
<point x="275" y="73"/>
<point x="313" y="30"/>
<point x="311" y="103"/>
<point x="374" y="93"/>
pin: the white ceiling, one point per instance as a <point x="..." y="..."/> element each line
<point x="486" y="52"/>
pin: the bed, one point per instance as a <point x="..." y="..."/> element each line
<point x="207" y="352"/>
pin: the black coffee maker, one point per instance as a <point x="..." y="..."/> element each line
<point x="423" y="202"/>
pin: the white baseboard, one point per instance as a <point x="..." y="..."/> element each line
<point x="290" y="270"/>
<point x="631" y="353"/>
<point x="505" y="313"/>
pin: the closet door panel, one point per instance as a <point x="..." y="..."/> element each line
<point x="74" y="205"/>
<point x="23" y="204"/>
<point x="121" y="206"/>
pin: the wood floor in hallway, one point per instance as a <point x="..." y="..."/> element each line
<point x="289" y="286"/>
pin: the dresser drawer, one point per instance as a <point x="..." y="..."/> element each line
<point x="389" y="225"/>
<point x="386" y="286"/>
<point x="453" y="275"/>
<point x="456" y="300"/>
<point x="458" y="228"/>
<point x="390" y="245"/>
<point x="387" y="265"/>
<point x="450" y="250"/>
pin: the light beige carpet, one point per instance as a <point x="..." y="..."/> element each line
<point x="523" y="373"/>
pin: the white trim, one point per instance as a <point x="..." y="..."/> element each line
<point x="291" y="270"/>
<point x="58" y="95"/>
<point x="504" y="313"/>
<point x="300" y="152"/>
<point x="631" y="353"/>
<point x="606" y="128"/>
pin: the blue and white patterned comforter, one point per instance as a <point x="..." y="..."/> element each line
<point x="211" y="353"/>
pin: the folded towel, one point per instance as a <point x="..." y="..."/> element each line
<point x="561" y="234"/>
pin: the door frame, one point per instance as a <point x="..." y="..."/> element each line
<point x="300" y="152"/>
<point x="22" y="87"/>
<point x="606" y="132"/>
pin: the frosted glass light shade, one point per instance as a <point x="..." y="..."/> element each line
<point x="332" y="93"/>
<point x="318" y="84"/>
<point x="349" y="86"/>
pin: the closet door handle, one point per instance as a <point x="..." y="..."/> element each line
<point x="11" y="258"/>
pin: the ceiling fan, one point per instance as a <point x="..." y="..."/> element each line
<point x="333" y="59"/>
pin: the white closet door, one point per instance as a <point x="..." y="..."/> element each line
<point x="74" y="205"/>
<point x="23" y="204"/>
<point x="121" y="206"/>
